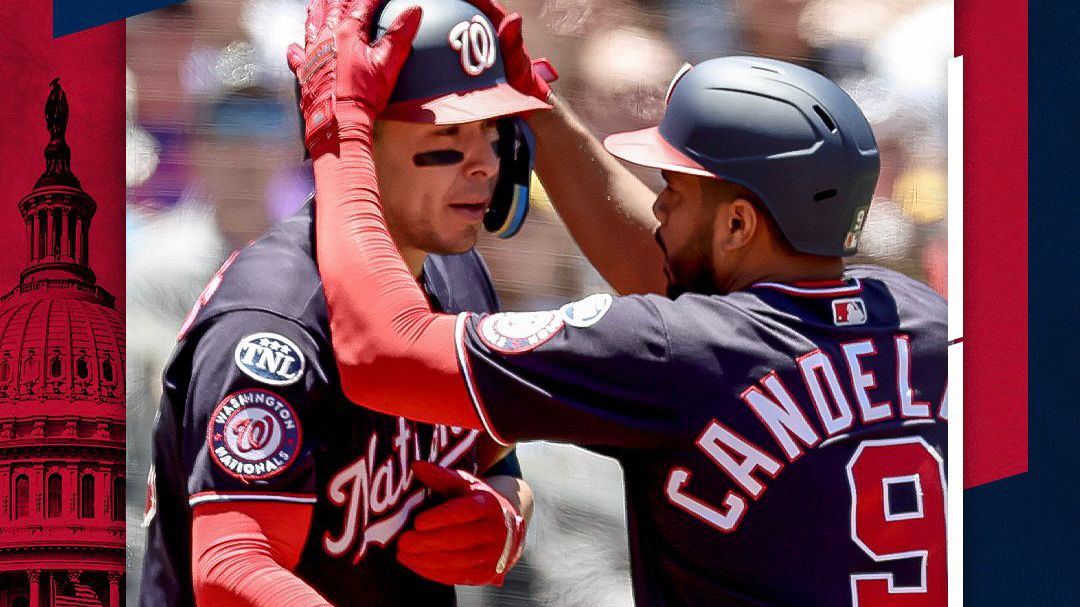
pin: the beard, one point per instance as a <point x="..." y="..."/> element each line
<point x="700" y="281"/>
<point x="690" y="270"/>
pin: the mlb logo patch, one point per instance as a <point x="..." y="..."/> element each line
<point x="848" y="312"/>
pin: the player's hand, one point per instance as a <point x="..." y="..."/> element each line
<point x="473" y="538"/>
<point x="528" y="76"/>
<point x="344" y="80"/>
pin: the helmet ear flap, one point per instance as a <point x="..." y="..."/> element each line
<point x="510" y="202"/>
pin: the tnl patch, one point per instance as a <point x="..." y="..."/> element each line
<point x="253" y="434"/>
<point x="516" y="332"/>
<point x="270" y="358"/>
<point x="849" y="312"/>
<point x="586" y="312"/>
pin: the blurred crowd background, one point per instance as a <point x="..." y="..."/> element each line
<point x="214" y="158"/>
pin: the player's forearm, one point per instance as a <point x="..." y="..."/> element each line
<point x="242" y="555"/>
<point x="394" y="354"/>
<point x="516" y="491"/>
<point x="606" y="208"/>
<point x="235" y="576"/>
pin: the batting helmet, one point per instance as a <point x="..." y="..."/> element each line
<point x="790" y="135"/>
<point x="455" y="74"/>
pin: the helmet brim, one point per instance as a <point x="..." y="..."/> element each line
<point x="649" y="149"/>
<point x="470" y="106"/>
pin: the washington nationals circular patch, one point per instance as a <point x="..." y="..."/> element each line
<point x="253" y="434"/>
<point x="515" y="332"/>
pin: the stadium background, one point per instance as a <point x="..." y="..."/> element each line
<point x="213" y="158"/>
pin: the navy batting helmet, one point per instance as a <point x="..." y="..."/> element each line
<point x="455" y="74"/>
<point x="790" y="135"/>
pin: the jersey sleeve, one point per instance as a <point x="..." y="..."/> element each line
<point x="256" y="384"/>
<point x="597" y="372"/>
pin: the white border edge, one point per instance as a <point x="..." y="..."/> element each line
<point x="955" y="227"/>
<point x="954" y="520"/>
<point x="955" y="222"/>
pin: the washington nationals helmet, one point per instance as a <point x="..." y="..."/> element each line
<point x="788" y="134"/>
<point x="455" y="74"/>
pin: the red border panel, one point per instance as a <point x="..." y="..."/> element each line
<point x="993" y="38"/>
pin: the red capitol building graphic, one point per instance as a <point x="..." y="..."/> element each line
<point x="61" y="402"/>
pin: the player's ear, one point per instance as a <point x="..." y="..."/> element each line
<point x="740" y="221"/>
<point x="735" y="218"/>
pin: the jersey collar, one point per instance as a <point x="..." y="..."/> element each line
<point x="818" y="288"/>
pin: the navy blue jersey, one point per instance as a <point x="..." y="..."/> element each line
<point x="783" y="445"/>
<point x="252" y="409"/>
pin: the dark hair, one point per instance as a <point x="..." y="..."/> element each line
<point x="718" y="191"/>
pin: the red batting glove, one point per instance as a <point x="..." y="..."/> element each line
<point x="528" y="76"/>
<point x="345" y="81"/>
<point x="473" y="538"/>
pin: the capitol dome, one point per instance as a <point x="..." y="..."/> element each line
<point x="62" y="430"/>
<point x="61" y="353"/>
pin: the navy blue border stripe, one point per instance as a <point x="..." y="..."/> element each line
<point x="70" y="16"/>
<point x="1022" y="534"/>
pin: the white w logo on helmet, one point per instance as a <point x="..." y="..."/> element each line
<point x="476" y="41"/>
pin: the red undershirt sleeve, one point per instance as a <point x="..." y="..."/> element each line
<point x="243" y="554"/>
<point x="393" y="353"/>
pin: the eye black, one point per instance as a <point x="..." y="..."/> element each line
<point x="438" y="158"/>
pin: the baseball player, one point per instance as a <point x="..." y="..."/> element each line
<point x="780" y="419"/>
<point x="269" y="486"/>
